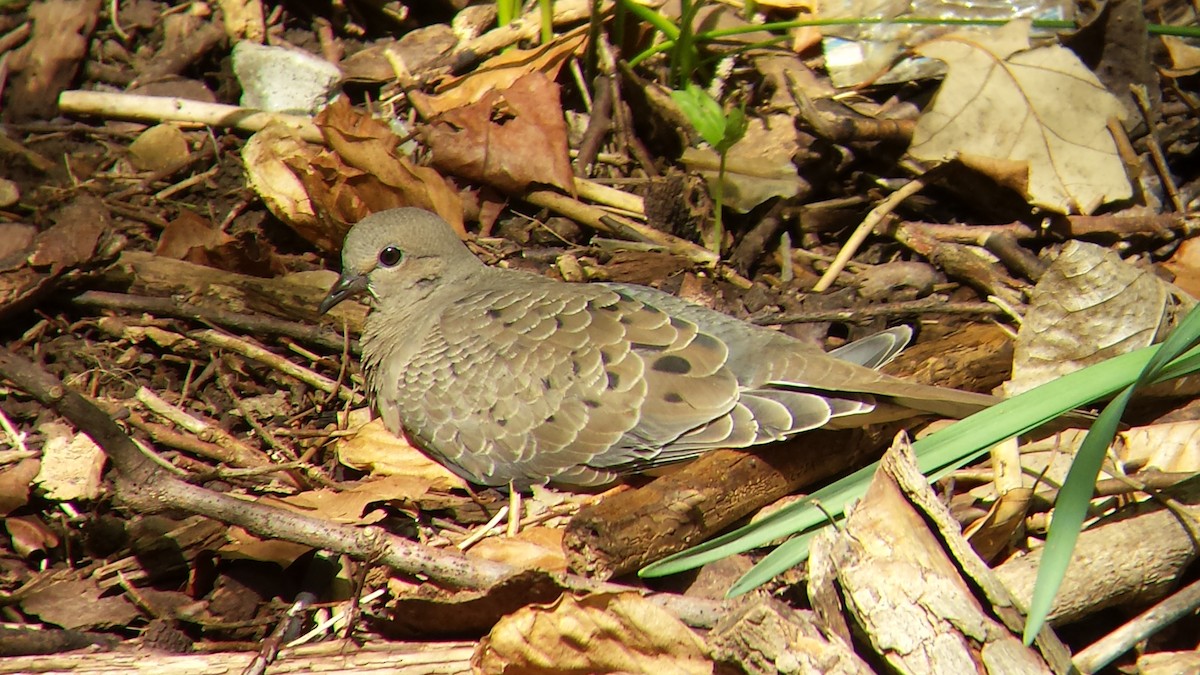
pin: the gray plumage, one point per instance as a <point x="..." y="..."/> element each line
<point x="505" y="376"/>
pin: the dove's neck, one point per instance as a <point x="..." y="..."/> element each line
<point x="408" y="306"/>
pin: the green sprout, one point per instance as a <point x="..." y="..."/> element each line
<point x="721" y="129"/>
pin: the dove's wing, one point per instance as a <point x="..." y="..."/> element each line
<point x="761" y="357"/>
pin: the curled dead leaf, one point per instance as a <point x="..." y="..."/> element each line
<point x="602" y="633"/>
<point x="509" y="139"/>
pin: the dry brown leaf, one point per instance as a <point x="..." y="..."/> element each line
<point x="73" y="238"/>
<point x="350" y="506"/>
<point x="196" y="239"/>
<point x="1090" y="306"/>
<point x="320" y="192"/>
<point x="992" y="533"/>
<point x="510" y="139"/>
<point x="602" y="633"/>
<point x="158" y="147"/>
<point x="79" y="603"/>
<point x="1185" y="265"/>
<point x="500" y="72"/>
<point x="532" y="548"/>
<point x="1173" y="447"/>
<point x="266" y="158"/>
<point x="385" y="178"/>
<point x="1185" y="57"/>
<point x="1041" y="107"/>
<point x="46" y="64"/>
<point x="243" y="544"/>
<point x="29" y="535"/>
<point x="186" y="232"/>
<point x="376" y="450"/>
<point x="15" y="482"/>
<point x="15" y="240"/>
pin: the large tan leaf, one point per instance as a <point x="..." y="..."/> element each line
<point x="1004" y="103"/>
<point x="602" y="633"/>
<point x="1089" y="306"/>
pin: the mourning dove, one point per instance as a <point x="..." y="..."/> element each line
<point x="510" y="377"/>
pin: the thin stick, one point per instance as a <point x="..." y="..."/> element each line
<point x="864" y="229"/>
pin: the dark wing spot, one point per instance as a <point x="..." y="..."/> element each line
<point x="546" y="384"/>
<point x="672" y="397"/>
<point x="672" y="364"/>
<point x="550" y="419"/>
<point x="494" y="313"/>
<point x="591" y="403"/>
<point x="502" y="422"/>
<point x="614" y="380"/>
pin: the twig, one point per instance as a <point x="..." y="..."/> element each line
<point x="273" y="360"/>
<point x="483" y="530"/>
<point x="610" y="197"/>
<point x="930" y="305"/>
<point x="169" y="191"/>
<point x="598" y="219"/>
<point x="864" y="230"/>
<point x="16" y="36"/>
<point x="249" y="323"/>
<point x="599" y="124"/>
<point x="173" y="109"/>
<point x="1105" y="650"/>
<point x="1156" y="153"/>
<point x="15" y="439"/>
<point x="239" y="454"/>
<point x="223" y="381"/>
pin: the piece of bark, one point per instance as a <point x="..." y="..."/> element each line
<point x="909" y="591"/>
<point x="207" y="287"/>
<point x="766" y="636"/>
<point x="976" y="358"/>
<point x="630" y="529"/>
<point x="1129" y="559"/>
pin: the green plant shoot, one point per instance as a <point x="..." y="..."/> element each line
<point x="721" y="130"/>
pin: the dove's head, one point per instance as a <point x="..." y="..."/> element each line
<point x="394" y="252"/>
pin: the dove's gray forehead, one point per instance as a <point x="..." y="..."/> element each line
<point x="409" y="229"/>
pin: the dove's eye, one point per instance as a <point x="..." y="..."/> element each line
<point x="390" y="256"/>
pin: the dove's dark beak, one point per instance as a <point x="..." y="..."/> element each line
<point x="347" y="285"/>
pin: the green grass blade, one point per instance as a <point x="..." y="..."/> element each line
<point x="1070" y="510"/>
<point x="660" y="23"/>
<point x="1181" y="339"/>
